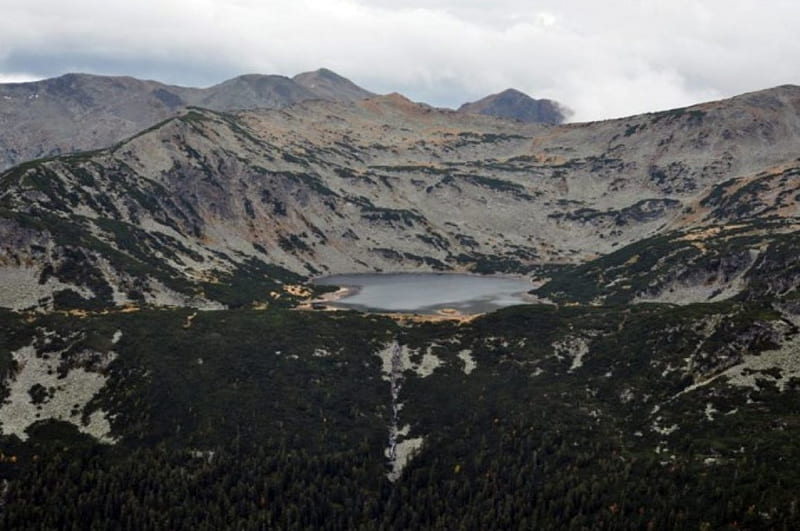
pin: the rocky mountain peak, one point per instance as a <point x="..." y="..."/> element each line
<point x="329" y="85"/>
<point x="254" y="90"/>
<point x="515" y="104"/>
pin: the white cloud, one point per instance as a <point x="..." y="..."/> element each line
<point x="17" y="78"/>
<point x="603" y="59"/>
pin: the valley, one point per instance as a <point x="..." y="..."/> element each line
<point x="156" y="369"/>
<point x="438" y="294"/>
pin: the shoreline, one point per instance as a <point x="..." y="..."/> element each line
<point x="341" y="293"/>
<point x="329" y="301"/>
<point x="326" y="301"/>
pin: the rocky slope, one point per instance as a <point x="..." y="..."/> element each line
<point x="387" y="184"/>
<point x="77" y="112"/>
<point x="512" y="103"/>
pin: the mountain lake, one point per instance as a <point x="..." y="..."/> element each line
<point x="426" y="293"/>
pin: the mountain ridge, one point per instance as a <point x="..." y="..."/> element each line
<point x="76" y="112"/>
<point x="330" y="85"/>
<point x="516" y="105"/>
<point x="387" y="184"/>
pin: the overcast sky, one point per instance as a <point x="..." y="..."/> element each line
<point x="603" y="59"/>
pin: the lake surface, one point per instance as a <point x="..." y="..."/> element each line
<point x="428" y="292"/>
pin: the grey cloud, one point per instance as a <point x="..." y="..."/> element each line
<point x="602" y="59"/>
<point x="181" y="72"/>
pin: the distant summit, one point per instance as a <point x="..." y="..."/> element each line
<point x="77" y="112"/>
<point x="329" y="85"/>
<point x="517" y="105"/>
<point x="252" y="91"/>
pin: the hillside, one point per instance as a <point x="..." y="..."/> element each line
<point x="387" y="184"/>
<point x="156" y="368"/>
<point x="78" y="112"/>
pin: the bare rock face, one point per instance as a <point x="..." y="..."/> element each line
<point x="517" y="105"/>
<point x="76" y="112"/>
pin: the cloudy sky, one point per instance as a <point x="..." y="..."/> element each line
<point x="601" y="58"/>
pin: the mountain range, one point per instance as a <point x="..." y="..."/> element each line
<point x="157" y="364"/>
<point x="79" y="112"/>
<point x="383" y="183"/>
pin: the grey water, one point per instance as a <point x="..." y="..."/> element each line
<point x="428" y="292"/>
